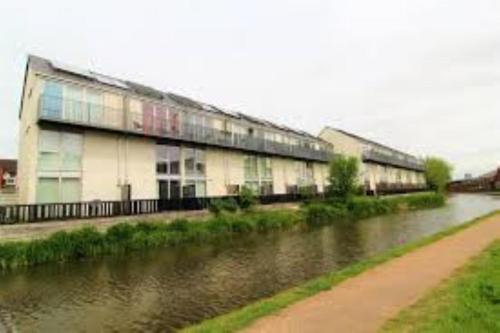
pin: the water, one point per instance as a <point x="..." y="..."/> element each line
<point x="166" y="289"/>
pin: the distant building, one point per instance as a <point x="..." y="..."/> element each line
<point x="8" y="173"/>
<point x="488" y="181"/>
<point x="383" y="169"/>
<point x="85" y="136"/>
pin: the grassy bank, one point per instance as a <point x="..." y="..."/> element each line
<point x="122" y="238"/>
<point x="468" y="302"/>
<point x="322" y="212"/>
<point x="241" y="318"/>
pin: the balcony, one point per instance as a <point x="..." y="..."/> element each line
<point x="59" y="110"/>
<point x="398" y="162"/>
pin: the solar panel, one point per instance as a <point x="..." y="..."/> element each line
<point x="110" y="81"/>
<point x="71" y="69"/>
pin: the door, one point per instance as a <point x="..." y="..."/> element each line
<point x="163" y="189"/>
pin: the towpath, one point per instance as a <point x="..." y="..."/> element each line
<point x="363" y="303"/>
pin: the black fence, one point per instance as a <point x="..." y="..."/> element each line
<point x="97" y="209"/>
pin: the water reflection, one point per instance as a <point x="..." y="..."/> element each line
<point x="167" y="289"/>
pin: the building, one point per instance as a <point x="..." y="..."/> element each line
<point x="382" y="169"/>
<point x="8" y="173"/>
<point x="489" y="181"/>
<point x="85" y="136"/>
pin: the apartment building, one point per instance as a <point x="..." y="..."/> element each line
<point x="85" y="136"/>
<point x="382" y="168"/>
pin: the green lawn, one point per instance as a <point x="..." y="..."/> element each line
<point x="468" y="302"/>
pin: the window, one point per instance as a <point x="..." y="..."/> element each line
<point x="48" y="190"/>
<point x="59" y="151"/>
<point x="73" y="103"/>
<point x="258" y="174"/>
<point x="305" y="175"/>
<point x="95" y="109"/>
<point x="251" y="167"/>
<point x="194" y="162"/>
<point x="59" y="167"/>
<point x="52" y="100"/>
<point x="194" y="188"/>
<point x="168" y="160"/>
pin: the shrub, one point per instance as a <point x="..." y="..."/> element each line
<point x="247" y="198"/>
<point x="319" y="213"/>
<point x="343" y="177"/>
<point x="218" y="206"/>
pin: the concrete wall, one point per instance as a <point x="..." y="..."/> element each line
<point x="28" y="139"/>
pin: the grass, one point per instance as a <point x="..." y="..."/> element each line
<point x="123" y="238"/>
<point x="468" y="302"/>
<point x="241" y="318"/>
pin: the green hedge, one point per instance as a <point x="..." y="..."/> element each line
<point x="329" y="211"/>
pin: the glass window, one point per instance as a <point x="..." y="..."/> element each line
<point x="95" y="108"/>
<point x="174" y="156"/>
<point x="189" y="161"/>
<point x="48" y="157"/>
<point x="48" y="190"/>
<point x="70" y="190"/>
<point x="73" y="103"/>
<point x="251" y="167"/>
<point x="52" y="100"/>
<point x="71" y="148"/>
<point x="189" y="189"/>
<point x="200" y="162"/>
<point x="266" y="168"/>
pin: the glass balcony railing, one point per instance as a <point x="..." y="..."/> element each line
<point x="403" y="162"/>
<point x="98" y="116"/>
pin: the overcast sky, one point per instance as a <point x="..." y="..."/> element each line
<point x="422" y="76"/>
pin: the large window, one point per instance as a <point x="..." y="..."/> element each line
<point x="194" y="162"/>
<point x="305" y="175"/>
<point x="168" y="160"/>
<point x="73" y="102"/>
<point x="59" y="167"/>
<point x="258" y="174"/>
<point x="194" y="173"/>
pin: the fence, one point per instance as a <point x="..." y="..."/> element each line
<point x="13" y="214"/>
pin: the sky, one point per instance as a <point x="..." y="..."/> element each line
<point x="421" y="76"/>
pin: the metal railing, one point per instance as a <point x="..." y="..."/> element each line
<point x="13" y="214"/>
<point x="397" y="188"/>
<point x="403" y="162"/>
<point x="87" y="114"/>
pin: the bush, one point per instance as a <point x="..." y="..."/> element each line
<point x="218" y="206"/>
<point x="247" y="198"/>
<point x="319" y="213"/>
<point x="343" y="177"/>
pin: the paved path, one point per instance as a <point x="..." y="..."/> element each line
<point x="363" y="303"/>
<point x="27" y="231"/>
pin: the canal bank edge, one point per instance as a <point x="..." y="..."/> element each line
<point x="123" y="238"/>
<point x="243" y="317"/>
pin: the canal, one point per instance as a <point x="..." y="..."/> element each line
<point x="163" y="290"/>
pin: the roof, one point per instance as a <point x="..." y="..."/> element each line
<point x="54" y="68"/>
<point x="9" y="166"/>
<point x="367" y="141"/>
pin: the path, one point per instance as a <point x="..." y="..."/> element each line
<point x="27" y="231"/>
<point x="363" y="303"/>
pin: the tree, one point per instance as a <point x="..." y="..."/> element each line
<point x="343" y="177"/>
<point x="437" y="173"/>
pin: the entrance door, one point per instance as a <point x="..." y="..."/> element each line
<point x="169" y="189"/>
<point x="175" y="189"/>
<point x="163" y="188"/>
